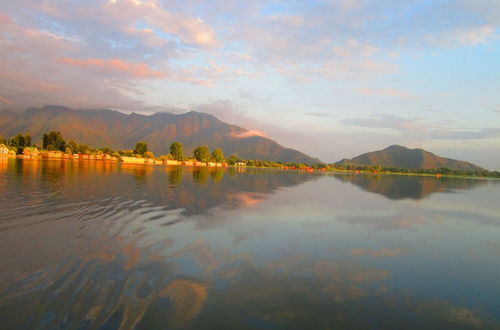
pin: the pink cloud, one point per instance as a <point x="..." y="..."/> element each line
<point x="136" y="70"/>
<point x="250" y="133"/>
<point x="4" y="19"/>
<point x="5" y="100"/>
<point x="191" y="30"/>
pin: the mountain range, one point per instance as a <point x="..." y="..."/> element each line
<point x="117" y="130"/>
<point x="401" y="157"/>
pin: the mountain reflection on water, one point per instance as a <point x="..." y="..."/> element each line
<point x="102" y="246"/>
<point x="414" y="187"/>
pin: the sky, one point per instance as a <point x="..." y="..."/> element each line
<point x="331" y="78"/>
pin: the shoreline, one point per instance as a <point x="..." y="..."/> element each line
<point x="149" y="161"/>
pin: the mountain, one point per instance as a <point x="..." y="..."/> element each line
<point x="103" y="127"/>
<point x="401" y="157"/>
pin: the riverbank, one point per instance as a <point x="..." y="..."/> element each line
<point x="194" y="163"/>
<point x="108" y="158"/>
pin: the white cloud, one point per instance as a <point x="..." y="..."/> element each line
<point x="463" y="36"/>
<point x="250" y="133"/>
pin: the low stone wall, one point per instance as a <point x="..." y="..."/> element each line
<point x="133" y="160"/>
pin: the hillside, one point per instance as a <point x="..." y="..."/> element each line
<point x="401" y="157"/>
<point x="102" y="127"/>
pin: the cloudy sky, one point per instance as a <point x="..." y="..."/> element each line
<point x="331" y="78"/>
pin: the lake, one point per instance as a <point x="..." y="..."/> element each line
<point x="94" y="245"/>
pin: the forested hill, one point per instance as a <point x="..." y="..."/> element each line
<point x="397" y="156"/>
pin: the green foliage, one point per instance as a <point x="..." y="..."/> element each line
<point x="27" y="140"/>
<point x="83" y="149"/>
<point x="201" y="153"/>
<point x="176" y="150"/>
<point x="166" y="157"/>
<point x="217" y="156"/>
<point x="72" y="146"/>
<point x="140" y="148"/>
<point x="148" y="154"/>
<point x="107" y="151"/>
<point x="417" y="171"/>
<point x="126" y="153"/>
<point x="17" y="141"/>
<point x="54" y="141"/>
<point x="232" y="160"/>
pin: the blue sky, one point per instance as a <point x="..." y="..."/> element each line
<point x="331" y="78"/>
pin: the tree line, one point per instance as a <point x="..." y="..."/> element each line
<point x="429" y="171"/>
<point x="200" y="153"/>
<point x="18" y="141"/>
<point x="54" y="141"/>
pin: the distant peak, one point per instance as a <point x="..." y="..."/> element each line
<point x="195" y="113"/>
<point x="48" y="108"/>
<point x="55" y="107"/>
<point x="396" y="146"/>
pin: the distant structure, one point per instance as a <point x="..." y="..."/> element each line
<point x="30" y="152"/>
<point x="4" y="150"/>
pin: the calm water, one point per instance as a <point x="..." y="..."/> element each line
<point x="99" y="246"/>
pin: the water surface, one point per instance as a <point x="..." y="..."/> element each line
<point x="93" y="245"/>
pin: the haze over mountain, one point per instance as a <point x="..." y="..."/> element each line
<point x="103" y="127"/>
<point x="401" y="157"/>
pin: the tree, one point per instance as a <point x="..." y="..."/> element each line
<point x="107" y="150"/>
<point x="232" y="160"/>
<point x="83" y="149"/>
<point x="140" y="148"/>
<point x="218" y="155"/>
<point x="166" y="157"/>
<point x="73" y="147"/>
<point x="148" y="154"/>
<point x="17" y="141"/>
<point x="201" y="153"/>
<point x="45" y="141"/>
<point x="54" y="141"/>
<point x="27" y="140"/>
<point x="176" y="150"/>
<point x="127" y="153"/>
